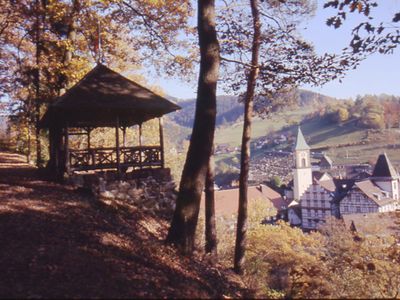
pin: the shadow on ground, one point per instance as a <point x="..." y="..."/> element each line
<point x="56" y="242"/>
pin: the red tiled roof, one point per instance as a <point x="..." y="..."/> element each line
<point x="227" y="201"/>
<point x="374" y="223"/>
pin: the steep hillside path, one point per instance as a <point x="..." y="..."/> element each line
<point x="56" y="242"/>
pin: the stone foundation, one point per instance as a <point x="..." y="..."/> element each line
<point x="147" y="194"/>
<point x="90" y="179"/>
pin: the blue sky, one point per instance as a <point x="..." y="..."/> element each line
<point x="377" y="74"/>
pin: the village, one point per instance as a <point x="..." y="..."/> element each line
<point x="314" y="188"/>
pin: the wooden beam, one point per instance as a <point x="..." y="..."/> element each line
<point x="92" y="155"/>
<point x="58" y="153"/>
<point x="117" y="147"/>
<point x="160" y="126"/>
<point x="66" y="149"/>
<point x="88" y="136"/>
<point x="140" y="145"/>
<point x="124" y="136"/>
<point x="78" y="133"/>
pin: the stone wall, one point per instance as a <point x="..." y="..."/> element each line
<point x="147" y="194"/>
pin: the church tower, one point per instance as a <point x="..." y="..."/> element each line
<point x="302" y="173"/>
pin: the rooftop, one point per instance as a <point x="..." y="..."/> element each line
<point x="101" y="97"/>
<point x="227" y="201"/>
<point x="301" y="143"/>
<point x="373" y="192"/>
<point x="384" y="168"/>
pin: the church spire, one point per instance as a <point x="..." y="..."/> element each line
<point x="301" y="142"/>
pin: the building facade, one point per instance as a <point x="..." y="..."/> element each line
<point x="316" y="202"/>
<point x="316" y="195"/>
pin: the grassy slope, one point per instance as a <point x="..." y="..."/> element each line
<point x="346" y="143"/>
<point x="233" y="134"/>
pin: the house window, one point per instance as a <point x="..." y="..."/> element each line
<point x="315" y="195"/>
<point x="358" y="197"/>
<point x="346" y="208"/>
<point x="358" y="209"/>
<point x="308" y="201"/>
<point x="322" y="196"/>
<point x="315" y="203"/>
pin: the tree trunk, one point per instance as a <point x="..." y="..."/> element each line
<point x="240" y="245"/>
<point x="39" y="24"/>
<point x="28" y="155"/>
<point x="184" y="222"/>
<point x="211" y="230"/>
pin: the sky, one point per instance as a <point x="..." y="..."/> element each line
<point x="376" y="75"/>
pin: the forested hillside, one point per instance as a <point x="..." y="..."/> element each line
<point x="230" y="109"/>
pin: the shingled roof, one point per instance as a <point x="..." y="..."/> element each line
<point x="384" y="168"/>
<point x="100" y="97"/>
<point x="373" y="192"/>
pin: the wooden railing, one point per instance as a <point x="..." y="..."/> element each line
<point x="101" y="158"/>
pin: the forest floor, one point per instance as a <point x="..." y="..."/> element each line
<point x="58" y="242"/>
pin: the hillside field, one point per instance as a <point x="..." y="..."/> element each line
<point x="345" y="143"/>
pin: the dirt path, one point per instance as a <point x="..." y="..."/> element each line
<point x="56" y="242"/>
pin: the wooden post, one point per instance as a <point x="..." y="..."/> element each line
<point x="160" y="126"/>
<point x="88" y="137"/>
<point x="58" y="151"/>
<point x="123" y="136"/>
<point x="91" y="153"/>
<point x="66" y="149"/>
<point x="140" y="145"/>
<point x="51" y="148"/>
<point x="118" y="149"/>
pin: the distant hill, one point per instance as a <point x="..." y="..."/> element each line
<point x="230" y="110"/>
<point x="308" y="98"/>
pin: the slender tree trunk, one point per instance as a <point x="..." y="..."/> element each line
<point x="211" y="230"/>
<point x="28" y="155"/>
<point x="37" y="83"/>
<point x="241" y="232"/>
<point x="184" y="222"/>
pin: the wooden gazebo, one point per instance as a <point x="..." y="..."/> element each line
<point x="104" y="98"/>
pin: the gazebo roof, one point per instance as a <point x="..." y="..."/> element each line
<point x="101" y="97"/>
